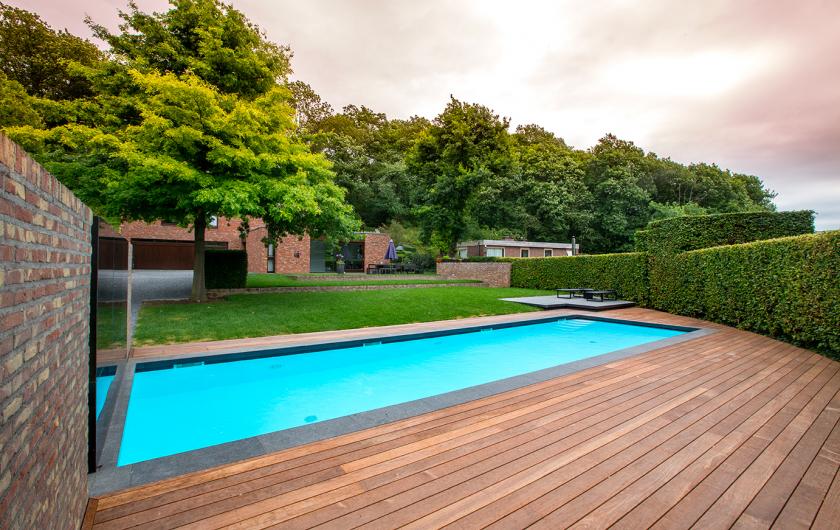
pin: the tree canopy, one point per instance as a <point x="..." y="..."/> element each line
<point x="189" y="119"/>
<point x="40" y="59"/>
<point x="190" y="113"/>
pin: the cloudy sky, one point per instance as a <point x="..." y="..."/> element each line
<point x="750" y="85"/>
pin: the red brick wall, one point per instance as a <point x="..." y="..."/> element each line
<point x="375" y="247"/>
<point x="227" y="231"/>
<point x="285" y="261"/>
<point x="493" y="274"/>
<point x="44" y="311"/>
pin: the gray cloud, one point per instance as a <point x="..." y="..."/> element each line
<point x="750" y="85"/>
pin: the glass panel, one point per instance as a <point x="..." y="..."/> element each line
<point x="548" y="253"/>
<point x="494" y="253"/>
<point x="523" y="253"/>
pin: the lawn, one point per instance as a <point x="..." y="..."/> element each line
<point x="110" y="325"/>
<point x="258" y="315"/>
<point x="281" y="280"/>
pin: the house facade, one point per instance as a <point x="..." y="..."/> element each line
<point x="167" y="246"/>
<point x="511" y="248"/>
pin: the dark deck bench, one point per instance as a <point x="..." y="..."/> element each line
<point x="606" y="294"/>
<point x="573" y="292"/>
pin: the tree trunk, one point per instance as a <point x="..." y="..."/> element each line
<point x="199" y="292"/>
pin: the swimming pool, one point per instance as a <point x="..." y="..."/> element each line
<point x="175" y="408"/>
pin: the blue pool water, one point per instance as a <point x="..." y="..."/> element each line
<point x="185" y="408"/>
<point x="103" y="383"/>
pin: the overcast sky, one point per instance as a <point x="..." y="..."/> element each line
<point x="751" y="85"/>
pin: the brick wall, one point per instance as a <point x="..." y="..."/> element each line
<point x="227" y="231"/>
<point x="44" y="311"/>
<point x="376" y="245"/>
<point x="285" y="260"/>
<point x="493" y="274"/>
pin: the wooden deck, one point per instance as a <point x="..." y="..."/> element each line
<point x="728" y="430"/>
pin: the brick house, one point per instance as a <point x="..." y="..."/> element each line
<point x="162" y="245"/>
<point x="511" y="248"/>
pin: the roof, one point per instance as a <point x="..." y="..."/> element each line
<point x="514" y="243"/>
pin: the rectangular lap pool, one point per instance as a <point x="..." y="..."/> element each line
<point x="194" y="405"/>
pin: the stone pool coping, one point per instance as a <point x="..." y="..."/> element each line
<point x="109" y="478"/>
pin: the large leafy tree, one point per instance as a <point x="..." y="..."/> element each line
<point x="189" y="121"/>
<point x="466" y="146"/>
<point x="40" y="58"/>
<point x="368" y="152"/>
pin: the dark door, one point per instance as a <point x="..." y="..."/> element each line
<point x="317" y="256"/>
<point x="168" y="255"/>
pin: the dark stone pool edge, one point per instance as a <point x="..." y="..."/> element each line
<point x="110" y="478"/>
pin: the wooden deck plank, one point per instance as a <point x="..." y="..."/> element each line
<point x="811" y="492"/>
<point x="764" y="507"/>
<point x="740" y="449"/>
<point x="616" y="507"/>
<point x="725" y="407"/>
<point x="733" y="421"/>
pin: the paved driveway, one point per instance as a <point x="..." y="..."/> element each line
<point x="146" y="285"/>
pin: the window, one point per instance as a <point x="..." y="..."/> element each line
<point x="548" y="253"/>
<point x="462" y="253"/>
<point x="214" y="222"/>
<point x="494" y="252"/>
<point x="524" y="252"/>
<point x="269" y="266"/>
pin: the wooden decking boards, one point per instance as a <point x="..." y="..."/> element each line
<point x="727" y="430"/>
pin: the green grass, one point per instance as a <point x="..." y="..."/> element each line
<point x="258" y="315"/>
<point x="281" y="280"/>
<point x="110" y="325"/>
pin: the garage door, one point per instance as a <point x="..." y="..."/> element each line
<point x="166" y="255"/>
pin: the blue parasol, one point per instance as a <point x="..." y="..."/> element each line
<point x="391" y="253"/>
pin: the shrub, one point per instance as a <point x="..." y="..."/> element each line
<point x="786" y="288"/>
<point x="626" y="273"/>
<point x="679" y="234"/>
<point x="225" y="269"/>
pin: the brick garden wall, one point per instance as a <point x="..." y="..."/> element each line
<point x="493" y="274"/>
<point x="44" y="311"/>
<point x="376" y="245"/>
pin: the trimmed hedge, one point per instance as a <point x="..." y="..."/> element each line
<point x="680" y="234"/>
<point x="225" y="269"/>
<point x="787" y="288"/>
<point x="626" y="273"/>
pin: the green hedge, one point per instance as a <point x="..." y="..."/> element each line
<point x="626" y="273"/>
<point x="680" y="234"/>
<point x="786" y="288"/>
<point x="225" y="269"/>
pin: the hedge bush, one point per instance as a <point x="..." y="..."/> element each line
<point x="225" y="269"/>
<point x="680" y="234"/>
<point x="626" y="273"/>
<point x="786" y="288"/>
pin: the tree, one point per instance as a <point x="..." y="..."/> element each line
<point x="169" y="143"/>
<point x="310" y="108"/>
<point x="40" y="58"/>
<point x="16" y="106"/>
<point x="466" y="146"/>
<point x="210" y="39"/>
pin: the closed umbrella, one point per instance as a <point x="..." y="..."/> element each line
<point x="391" y="253"/>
